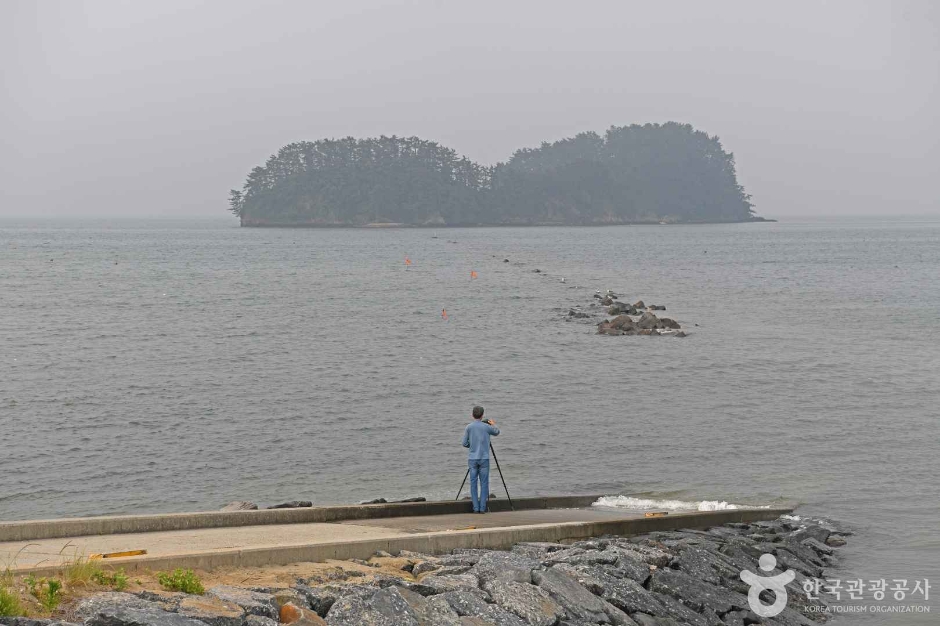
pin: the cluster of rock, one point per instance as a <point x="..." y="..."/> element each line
<point x="244" y="505"/>
<point x="660" y="579"/>
<point x="630" y="319"/>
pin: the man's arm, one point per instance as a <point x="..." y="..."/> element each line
<point x="491" y="425"/>
<point x="466" y="437"/>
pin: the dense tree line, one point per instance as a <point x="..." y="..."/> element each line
<point x="648" y="173"/>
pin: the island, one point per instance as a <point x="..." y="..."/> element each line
<point x="639" y="174"/>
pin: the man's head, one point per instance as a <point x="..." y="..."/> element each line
<point x="477" y="412"/>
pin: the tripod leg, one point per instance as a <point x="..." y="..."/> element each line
<point x="462" y="484"/>
<point x="498" y="469"/>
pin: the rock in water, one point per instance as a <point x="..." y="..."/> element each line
<point x="669" y="323"/>
<point x="293" y="504"/>
<point x="527" y="601"/>
<point x="622" y="322"/>
<point x="647" y="321"/>
<point x="240" y="505"/>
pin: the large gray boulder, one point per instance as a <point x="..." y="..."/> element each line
<point x="578" y="602"/>
<point x="123" y="616"/>
<point x="430" y="614"/>
<point x="253" y="602"/>
<point x="385" y="607"/>
<point x="527" y="601"/>
<point x="647" y="321"/>
<point x="112" y="600"/>
<point x="696" y="594"/>
<point x="473" y="609"/>
<point x="580" y="556"/>
<point x="505" y="566"/>
<point x="452" y="582"/>
<point x="624" y="593"/>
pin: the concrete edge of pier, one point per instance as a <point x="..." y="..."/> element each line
<point x="119" y="524"/>
<point x="500" y="538"/>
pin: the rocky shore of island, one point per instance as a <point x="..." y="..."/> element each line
<point x="638" y="318"/>
<point x="670" y="578"/>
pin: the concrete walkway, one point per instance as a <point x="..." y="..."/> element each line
<point x="53" y="552"/>
<point x="352" y="533"/>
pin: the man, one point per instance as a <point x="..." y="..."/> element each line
<point x="477" y="438"/>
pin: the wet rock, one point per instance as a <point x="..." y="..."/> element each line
<point x="681" y="334"/>
<point x="293" y="504"/>
<point x="814" y="531"/>
<point x="473" y="606"/>
<point x="527" y="601"/>
<point x="657" y="307"/>
<point x="622" y="322"/>
<point x="240" y="505"/>
<point x="624" y="593"/>
<point x="453" y="582"/>
<point x="666" y="322"/>
<point x="819" y="547"/>
<point x="375" y="501"/>
<point x="607" y="301"/>
<point x="212" y="611"/>
<point x="577" y="314"/>
<point x="696" y="594"/>
<point x="577" y="601"/>
<point x="505" y="566"/>
<point x="647" y="321"/>
<point x="416" y="499"/>
<point x="253" y="602"/>
<point x="835" y="541"/>
<point x="292" y="614"/>
<point x="385" y="607"/>
<point x="639" y="305"/>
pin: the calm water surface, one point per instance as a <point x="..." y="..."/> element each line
<point x="155" y="367"/>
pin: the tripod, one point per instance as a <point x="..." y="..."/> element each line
<point x="498" y="469"/>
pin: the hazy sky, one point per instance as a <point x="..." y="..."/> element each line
<point x="159" y="108"/>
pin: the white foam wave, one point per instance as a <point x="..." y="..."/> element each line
<point x="629" y="502"/>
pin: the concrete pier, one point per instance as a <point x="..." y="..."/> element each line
<point x="433" y="528"/>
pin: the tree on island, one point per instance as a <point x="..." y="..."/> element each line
<point x="650" y="173"/>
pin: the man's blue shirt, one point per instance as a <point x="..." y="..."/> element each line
<point x="477" y="438"/>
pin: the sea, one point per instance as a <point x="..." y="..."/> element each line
<point x="164" y="366"/>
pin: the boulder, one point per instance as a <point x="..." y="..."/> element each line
<point x="240" y="505"/>
<point x="212" y="611"/>
<point x="289" y="596"/>
<point x="835" y="541"/>
<point x="505" y="566"/>
<point x="624" y="593"/>
<point x="669" y="323"/>
<point x="385" y="607"/>
<point x="292" y="614"/>
<point x="253" y="602"/>
<point x="622" y="322"/>
<point x="607" y="301"/>
<point x="681" y="334"/>
<point x="429" y="613"/>
<point x="293" y="504"/>
<point x="819" y="547"/>
<point x="257" y="620"/>
<point x="657" y="307"/>
<point x="577" y="601"/>
<point x="452" y="582"/>
<point x="639" y="305"/>
<point x="415" y="499"/>
<point x="123" y="616"/>
<point x="647" y="321"/>
<point x="527" y="601"/>
<point x="472" y="606"/>
<point x="694" y="593"/>
<point x="110" y="601"/>
<point x="374" y="501"/>
<point x="580" y="556"/>
<point x="424" y="567"/>
<point x="577" y="314"/>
